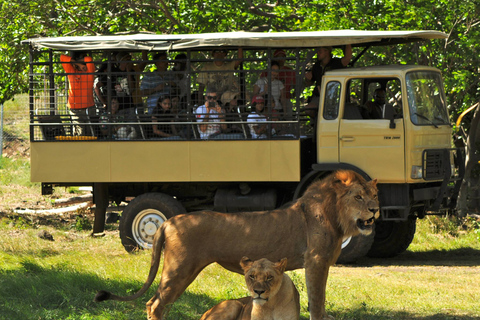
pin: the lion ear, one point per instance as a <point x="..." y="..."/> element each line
<point x="374" y="182"/>
<point x="246" y="263"/>
<point x="281" y="265"/>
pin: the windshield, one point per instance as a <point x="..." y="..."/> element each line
<point x="426" y="98"/>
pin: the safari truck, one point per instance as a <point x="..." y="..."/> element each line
<point x="410" y="153"/>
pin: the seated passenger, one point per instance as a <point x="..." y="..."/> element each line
<point x="258" y="130"/>
<point x="211" y="115"/>
<point x="163" y="113"/>
<point x="122" y="131"/>
<point x="378" y="108"/>
<point x="230" y="104"/>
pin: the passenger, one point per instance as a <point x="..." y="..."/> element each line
<point x="80" y="73"/>
<point x="211" y="115"/>
<point x="122" y="82"/>
<point x="219" y="73"/>
<point x="163" y="113"/>
<point x="233" y="112"/>
<point x="157" y="83"/>
<point x="123" y="131"/>
<point x="324" y="62"/>
<point x="378" y="108"/>
<point x="287" y="76"/>
<point x="181" y="78"/>
<point x="258" y="130"/>
<point x="262" y="87"/>
<point x="134" y="72"/>
<point x="99" y="89"/>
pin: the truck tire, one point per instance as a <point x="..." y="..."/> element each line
<point x="392" y="238"/>
<point x="354" y="248"/>
<point x="143" y="216"/>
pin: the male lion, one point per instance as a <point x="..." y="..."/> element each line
<point x="272" y="295"/>
<point x="308" y="233"/>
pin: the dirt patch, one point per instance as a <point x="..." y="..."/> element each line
<point x="15" y="147"/>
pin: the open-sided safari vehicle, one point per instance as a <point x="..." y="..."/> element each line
<point x="410" y="153"/>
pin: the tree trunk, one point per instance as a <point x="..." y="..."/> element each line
<point x="469" y="197"/>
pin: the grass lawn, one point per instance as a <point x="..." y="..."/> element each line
<point x="436" y="279"/>
<point x="39" y="279"/>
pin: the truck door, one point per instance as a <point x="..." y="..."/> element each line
<point x="374" y="145"/>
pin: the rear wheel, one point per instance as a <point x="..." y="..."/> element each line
<point x="392" y="238"/>
<point x="143" y="217"/>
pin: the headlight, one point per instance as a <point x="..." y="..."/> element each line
<point x="416" y="172"/>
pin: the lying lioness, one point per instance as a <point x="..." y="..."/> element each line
<point x="308" y="233"/>
<point x="273" y="295"/>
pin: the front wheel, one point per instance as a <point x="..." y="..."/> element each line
<point x="143" y="216"/>
<point x="354" y="248"/>
<point x="392" y="238"/>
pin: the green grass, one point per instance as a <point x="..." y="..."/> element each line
<point x="39" y="279"/>
<point x="436" y="279"/>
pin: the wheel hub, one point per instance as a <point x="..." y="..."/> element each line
<point x="144" y="226"/>
<point x="150" y="228"/>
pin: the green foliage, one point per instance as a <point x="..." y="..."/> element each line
<point x="82" y="223"/>
<point x="457" y="57"/>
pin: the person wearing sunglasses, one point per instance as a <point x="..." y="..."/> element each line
<point x="211" y="115"/>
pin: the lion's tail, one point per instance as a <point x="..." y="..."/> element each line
<point x="155" y="263"/>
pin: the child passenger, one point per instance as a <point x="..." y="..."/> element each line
<point x="258" y="130"/>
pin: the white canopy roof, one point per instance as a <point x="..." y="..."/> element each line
<point x="234" y="39"/>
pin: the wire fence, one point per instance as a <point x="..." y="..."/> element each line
<point x="14" y="133"/>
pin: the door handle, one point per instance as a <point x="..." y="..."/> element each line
<point x="347" y="139"/>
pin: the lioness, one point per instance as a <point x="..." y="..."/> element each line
<point x="273" y="295"/>
<point x="308" y="233"/>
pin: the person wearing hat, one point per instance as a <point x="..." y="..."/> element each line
<point x="258" y="130"/>
<point x="219" y="73"/>
<point x="324" y="62"/>
<point x="232" y="113"/>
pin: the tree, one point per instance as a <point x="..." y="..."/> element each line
<point x="457" y="57"/>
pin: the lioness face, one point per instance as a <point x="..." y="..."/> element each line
<point x="361" y="207"/>
<point x="263" y="278"/>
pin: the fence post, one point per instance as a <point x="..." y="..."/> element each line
<point x="1" y="131"/>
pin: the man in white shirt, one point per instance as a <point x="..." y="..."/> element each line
<point x="211" y="114"/>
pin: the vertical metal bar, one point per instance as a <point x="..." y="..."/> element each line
<point x="51" y="82"/>
<point x="31" y="95"/>
<point x="1" y="131"/>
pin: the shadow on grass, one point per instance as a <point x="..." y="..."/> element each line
<point x="463" y="257"/>
<point x="34" y="292"/>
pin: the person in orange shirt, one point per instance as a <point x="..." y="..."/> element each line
<point x="80" y="73"/>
